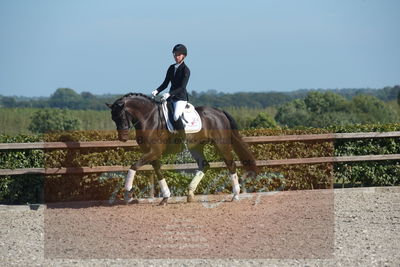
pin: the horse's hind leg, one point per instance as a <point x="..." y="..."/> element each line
<point x="226" y="152"/>
<point x="198" y="154"/>
<point x="161" y="181"/>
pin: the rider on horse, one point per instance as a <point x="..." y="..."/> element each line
<point x="178" y="74"/>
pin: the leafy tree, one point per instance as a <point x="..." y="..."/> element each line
<point x="320" y="109"/>
<point x="319" y="103"/>
<point x="387" y="93"/>
<point x="326" y="109"/>
<point x="293" y="114"/>
<point x="88" y="95"/>
<point x="90" y="101"/>
<point x="66" y="98"/>
<point x="47" y="120"/>
<point x="370" y="109"/>
<point x="263" y="120"/>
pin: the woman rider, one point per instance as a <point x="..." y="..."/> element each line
<point x="178" y="74"/>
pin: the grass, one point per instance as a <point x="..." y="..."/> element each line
<point x="16" y="120"/>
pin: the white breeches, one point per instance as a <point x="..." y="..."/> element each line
<point x="179" y="107"/>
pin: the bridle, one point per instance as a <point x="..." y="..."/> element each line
<point x="128" y="117"/>
<point x="128" y="125"/>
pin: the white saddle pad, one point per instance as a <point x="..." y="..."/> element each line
<point x="191" y="119"/>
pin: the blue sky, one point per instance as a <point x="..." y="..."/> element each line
<point x="259" y="45"/>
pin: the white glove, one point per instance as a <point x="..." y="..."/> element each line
<point x="154" y="93"/>
<point x="165" y="96"/>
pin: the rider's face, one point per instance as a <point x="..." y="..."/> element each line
<point x="178" y="57"/>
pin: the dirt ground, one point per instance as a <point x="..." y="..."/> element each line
<point x="345" y="227"/>
<point x="296" y="224"/>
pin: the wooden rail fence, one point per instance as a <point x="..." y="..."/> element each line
<point x="188" y="166"/>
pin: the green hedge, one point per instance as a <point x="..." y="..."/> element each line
<point x="378" y="173"/>
<point x="36" y="188"/>
<point x="21" y="188"/>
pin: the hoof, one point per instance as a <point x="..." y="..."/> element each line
<point x="235" y="198"/>
<point x="163" y="202"/>
<point x="111" y="201"/>
<point x="127" y="197"/>
<point x="190" y="196"/>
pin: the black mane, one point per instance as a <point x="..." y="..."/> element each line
<point x="137" y="94"/>
<point x="140" y="94"/>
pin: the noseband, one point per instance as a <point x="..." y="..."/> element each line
<point x="128" y="125"/>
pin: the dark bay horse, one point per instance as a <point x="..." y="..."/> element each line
<point x="154" y="139"/>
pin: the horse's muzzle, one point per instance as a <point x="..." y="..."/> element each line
<point x="123" y="135"/>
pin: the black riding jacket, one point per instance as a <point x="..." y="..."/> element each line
<point x="179" y="80"/>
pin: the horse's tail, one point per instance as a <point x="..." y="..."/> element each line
<point x="241" y="149"/>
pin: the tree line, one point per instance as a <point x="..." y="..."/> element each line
<point x="67" y="98"/>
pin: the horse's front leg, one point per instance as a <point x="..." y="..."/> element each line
<point x="148" y="157"/>
<point x="161" y="181"/>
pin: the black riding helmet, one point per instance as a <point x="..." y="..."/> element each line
<point x="180" y="48"/>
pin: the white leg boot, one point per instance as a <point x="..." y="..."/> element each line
<point x="164" y="188"/>
<point x="193" y="185"/>
<point x="165" y="191"/>
<point x="128" y="185"/>
<point x="235" y="186"/>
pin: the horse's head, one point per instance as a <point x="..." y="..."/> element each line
<point x="121" y="119"/>
<point x="131" y="107"/>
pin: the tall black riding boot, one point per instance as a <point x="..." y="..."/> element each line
<point x="180" y="128"/>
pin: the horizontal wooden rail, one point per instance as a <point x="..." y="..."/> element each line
<point x="248" y="139"/>
<point x="63" y="145"/>
<point x="318" y="137"/>
<point x="193" y="166"/>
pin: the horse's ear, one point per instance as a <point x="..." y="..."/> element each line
<point x="109" y="105"/>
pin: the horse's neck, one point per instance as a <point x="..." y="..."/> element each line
<point x="142" y="109"/>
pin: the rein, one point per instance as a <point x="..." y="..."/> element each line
<point x="128" y="115"/>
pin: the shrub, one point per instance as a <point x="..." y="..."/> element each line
<point x="47" y="120"/>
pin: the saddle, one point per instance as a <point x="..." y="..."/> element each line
<point x="190" y="118"/>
